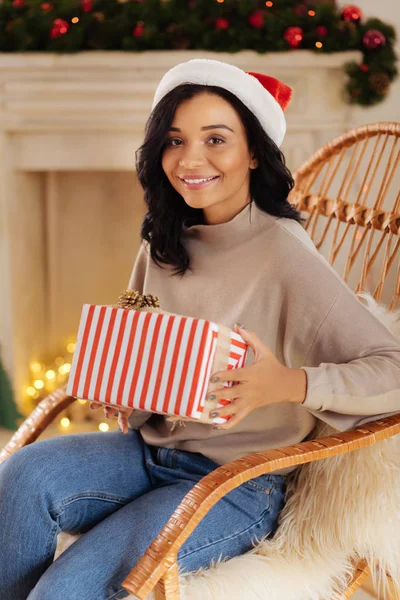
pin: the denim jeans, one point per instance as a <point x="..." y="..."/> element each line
<point x="119" y="492"/>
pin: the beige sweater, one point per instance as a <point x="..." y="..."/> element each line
<point x="265" y="272"/>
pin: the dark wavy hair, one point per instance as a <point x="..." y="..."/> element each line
<point x="168" y="212"/>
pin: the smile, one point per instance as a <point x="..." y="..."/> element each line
<point x="195" y="184"/>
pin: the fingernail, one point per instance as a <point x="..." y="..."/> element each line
<point x="240" y="325"/>
<point x="214" y="379"/>
<point x="211" y="397"/>
<point x="216" y="427"/>
<point x="213" y="414"/>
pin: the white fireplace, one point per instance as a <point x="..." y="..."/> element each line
<point x="70" y="205"/>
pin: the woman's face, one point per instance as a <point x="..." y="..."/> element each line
<point x="207" y="141"/>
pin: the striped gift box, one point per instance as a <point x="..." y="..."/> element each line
<point x="156" y="362"/>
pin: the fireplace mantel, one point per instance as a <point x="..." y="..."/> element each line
<point x="62" y="114"/>
<point x="88" y="94"/>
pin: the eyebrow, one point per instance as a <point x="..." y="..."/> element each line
<point x="206" y="128"/>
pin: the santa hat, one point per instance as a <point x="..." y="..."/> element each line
<point x="265" y="96"/>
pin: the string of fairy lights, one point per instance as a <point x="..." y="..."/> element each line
<point x="46" y="378"/>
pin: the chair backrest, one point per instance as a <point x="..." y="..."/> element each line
<point x="350" y="190"/>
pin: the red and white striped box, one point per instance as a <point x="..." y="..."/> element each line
<point x="151" y="361"/>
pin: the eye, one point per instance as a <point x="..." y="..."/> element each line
<point x="218" y="140"/>
<point x="170" y="142"/>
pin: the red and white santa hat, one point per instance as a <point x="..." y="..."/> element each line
<point x="265" y="96"/>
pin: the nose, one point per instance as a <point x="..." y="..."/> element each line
<point x="191" y="156"/>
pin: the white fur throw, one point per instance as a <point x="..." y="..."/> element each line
<point x="343" y="507"/>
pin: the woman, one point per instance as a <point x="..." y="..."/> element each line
<point x="219" y="241"/>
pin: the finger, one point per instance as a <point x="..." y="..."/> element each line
<point x="230" y="409"/>
<point x="123" y="422"/>
<point x="232" y="422"/>
<point x="95" y="405"/>
<point x="108" y="412"/>
<point x="231" y="375"/>
<point x="227" y="393"/>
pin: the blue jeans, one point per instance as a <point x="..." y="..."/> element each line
<point x="119" y="492"/>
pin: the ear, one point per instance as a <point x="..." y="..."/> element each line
<point x="253" y="163"/>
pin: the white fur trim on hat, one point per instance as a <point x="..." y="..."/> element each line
<point x="247" y="88"/>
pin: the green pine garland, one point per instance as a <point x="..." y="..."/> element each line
<point x="8" y="411"/>
<point x="137" y="25"/>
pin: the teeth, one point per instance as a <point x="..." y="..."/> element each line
<point x="197" y="180"/>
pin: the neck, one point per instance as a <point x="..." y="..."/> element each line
<point x="217" y="214"/>
<point x="244" y="226"/>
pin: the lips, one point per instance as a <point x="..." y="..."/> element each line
<point x="196" y="178"/>
<point x="197" y="183"/>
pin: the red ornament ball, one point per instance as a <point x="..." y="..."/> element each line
<point x="256" y="19"/>
<point x="293" y="36"/>
<point x="87" y="5"/>
<point x="364" y="68"/>
<point x="373" y="38"/>
<point x="19" y="3"/>
<point x="352" y="13"/>
<point x="321" y="30"/>
<point x="46" y="7"/>
<point x="221" y="23"/>
<point x="138" y="30"/>
<point x="60" y="27"/>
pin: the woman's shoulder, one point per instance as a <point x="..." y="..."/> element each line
<point x="285" y="231"/>
<point x="294" y="233"/>
<point x="305" y="264"/>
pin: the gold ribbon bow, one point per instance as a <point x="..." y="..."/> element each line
<point x="134" y="300"/>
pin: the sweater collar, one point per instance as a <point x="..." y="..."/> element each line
<point x="247" y="223"/>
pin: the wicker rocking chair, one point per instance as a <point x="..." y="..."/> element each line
<point x="359" y="164"/>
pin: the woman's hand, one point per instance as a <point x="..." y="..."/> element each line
<point x="266" y="381"/>
<point x="122" y="414"/>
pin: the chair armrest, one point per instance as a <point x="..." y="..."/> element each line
<point x="162" y="553"/>
<point x="44" y="413"/>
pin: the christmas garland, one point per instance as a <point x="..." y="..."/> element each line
<point x="9" y="413"/>
<point x="217" y="25"/>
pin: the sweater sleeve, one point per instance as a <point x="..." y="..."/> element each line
<point x="137" y="282"/>
<point x="138" y="275"/>
<point x="359" y="378"/>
